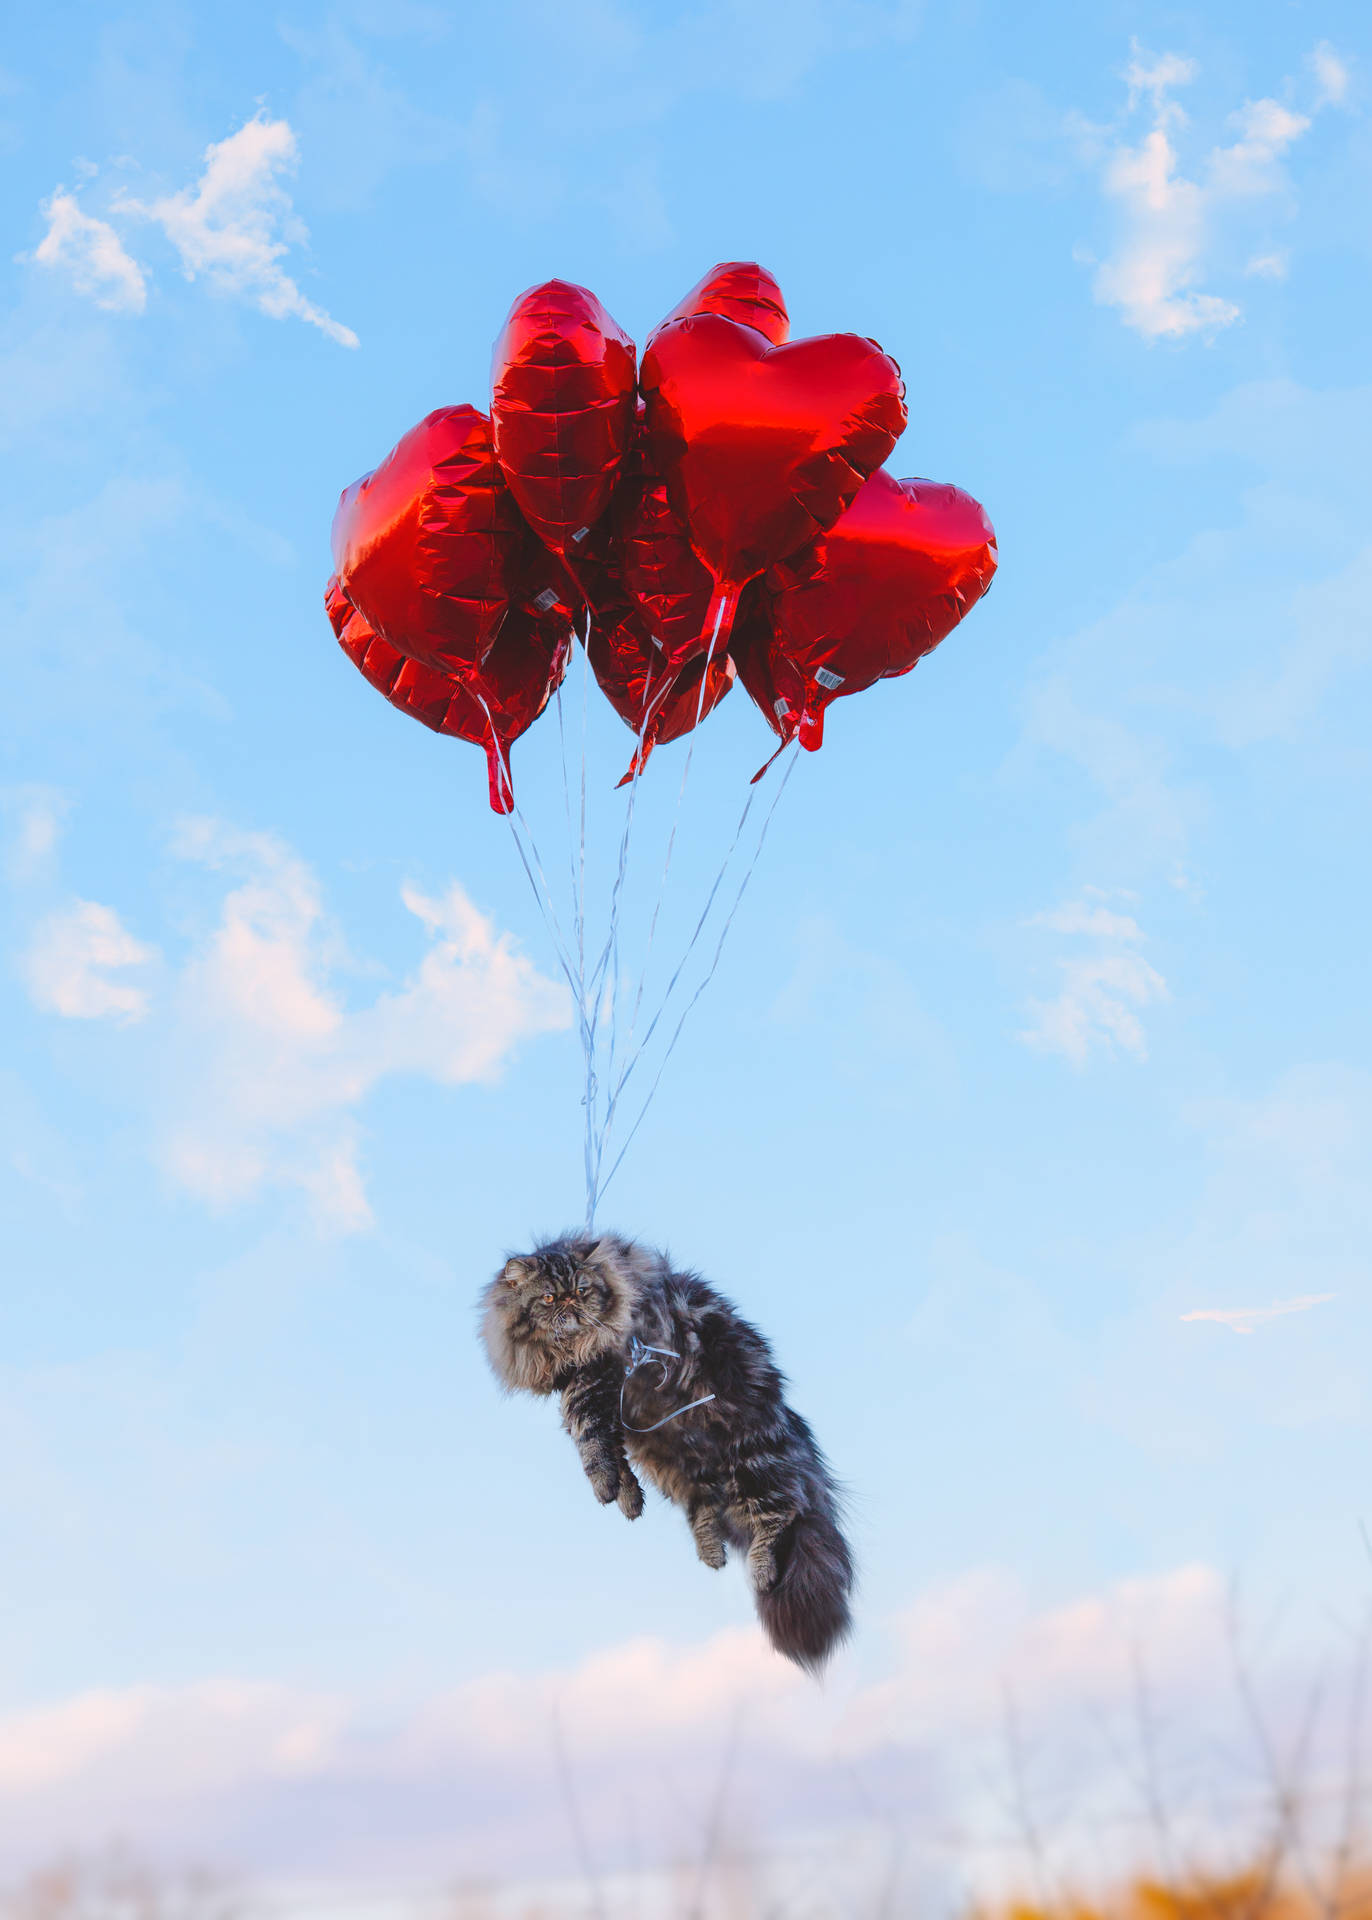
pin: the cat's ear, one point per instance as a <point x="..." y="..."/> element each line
<point x="514" y="1272"/>
<point x="600" y="1260"/>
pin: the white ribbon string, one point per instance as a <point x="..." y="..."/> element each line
<point x="714" y="965"/>
<point x="640" y="1352"/>
<point x="598" y="991"/>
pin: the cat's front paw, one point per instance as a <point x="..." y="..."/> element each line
<point x="605" y="1481"/>
<point x="705" y="1531"/>
<point x="630" y="1496"/>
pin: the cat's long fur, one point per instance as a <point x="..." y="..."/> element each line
<point x="744" y="1468"/>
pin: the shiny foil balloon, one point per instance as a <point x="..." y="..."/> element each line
<point x="670" y="586"/>
<point x="762" y="447"/>
<point x="562" y="405"/>
<point x="629" y="664"/>
<point x="509" y="691"/>
<point x="489" y="706"/>
<point x="428" y="546"/>
<point x="428" y="691"/>
<point x="740" y="290"/>
<point x="654" y="702"/>
<point x="774" y="685"/>
<point x="600" y="580"/>
<point x="869" y="598"/>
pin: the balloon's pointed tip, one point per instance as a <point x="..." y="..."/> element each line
<point x="719" y="617"/>
<point x="642" y="754"/>
<point x="786" y="741"/>
<point x="499" y="782"/>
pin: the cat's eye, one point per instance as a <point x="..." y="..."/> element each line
<point x="581" y="1286"/>
<point x="547" y="1299"/>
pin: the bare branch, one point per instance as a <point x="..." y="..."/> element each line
<point x="583" y="1845"/>
<point x="1030" y="1836"/>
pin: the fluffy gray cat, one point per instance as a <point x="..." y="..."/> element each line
<point x="655" y="1367"/>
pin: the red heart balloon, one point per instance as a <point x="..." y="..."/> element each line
<point x="489" y="706"/>
<point x="428" y="691"/>
<point x="658" y="565"/>
<point x="868" y="599"/>
<point x="653" y="699"/>
<point x="428" y="546"/>
<point x="562" y="404"/>
<point x="740" y="290"/>
<point x="777" y="688"/>
<point x="763" y="447"/>
<point x="654" y="702"/>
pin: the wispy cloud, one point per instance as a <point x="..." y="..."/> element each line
<point x="1102" y="991"/>
<point x="1332" y="75"/>
<point x="1166" y="220"/>
<point x="1080" y="916"/>
<point x="1267" y="266"/>
<point x="236" y="224"/>
<point x="34" y="816"/>
<point x="233" y="227"/>
<point x="1244" y="1319"/>
<point x="91" y="255"/>
<point x="71" y="958"/>
<point x="276" y="1063"/>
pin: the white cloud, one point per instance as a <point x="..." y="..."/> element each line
<point x="625" y="1705"/>
<point x="1244" y="1319"/>
<point x="1166" y="220"/>
<point x="1331" y="75"/>
<point x="236" y="224"/>
<point x="950" y="1654"/>
<point x="1248" y="166"/>
<point x="1100" y="990"/>
<point x="276" y="1062"/>
<point x="313" y="1782"/>
<point x="69" y="960"/>
<point x="1153" y="75"/>
<point x="36" y="815"/>
<point x="1267" y="266"/>
<point x="92" y="255"/>
<point x="1081" y="917"/>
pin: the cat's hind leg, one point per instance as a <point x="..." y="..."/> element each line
<point x="761" y="1512"/>
<point x="765" y="1549"/>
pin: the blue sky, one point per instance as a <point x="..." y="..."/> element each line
<point x="1044" y="1023"/>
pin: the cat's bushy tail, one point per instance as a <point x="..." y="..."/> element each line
<point x="805" y="1613"/>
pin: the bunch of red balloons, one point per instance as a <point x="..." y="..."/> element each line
<point x="719" y="512"/>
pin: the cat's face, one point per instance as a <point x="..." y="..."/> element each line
<point x="558" y="1296"/>
<point x="557" y="1307"/>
